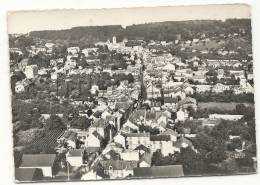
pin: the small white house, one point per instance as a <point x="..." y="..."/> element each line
<point x="45" y="162"/>
<point x="75" y="157"/>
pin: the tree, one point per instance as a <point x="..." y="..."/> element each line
<point x="217" y="155"/>
<point x="130" y="78"/>
<point x="235" y="144"/>
<point x="193" y="163"/>
<point x="156" y="158"/>
<point x="54" y="122"/>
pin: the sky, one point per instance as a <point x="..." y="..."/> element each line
<point x="26" y="21"/>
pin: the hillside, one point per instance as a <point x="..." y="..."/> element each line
<point x="150" y="31"/>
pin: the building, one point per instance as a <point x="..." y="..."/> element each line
<point x="93" y="140"/>
<point x="28" y="174"/>
<point x="100" y="127"/>
<point x="173" y="134"/>
<point x="120" y="139"/>
<point x="130" y="155"/>
<point x="225" y="117"/>
<point x="69" y="138"/>
<point x="153" y="91"/>
<point x="182" y="115"/>
<point x="159" y="171"/>
<point x="145" y="160"/>
<point x="31" y="71"/>
<point x="203" y="88"/>
<point x="118" y="168"/>
<point x="73" y="51"/>
<point x="169" y="67"/>
<point x="161" y="142"/>
<point x="114" y="40"/>
<point x="45" y="162"/>
<point x="220" y="88"/>
<point x="75" y="157"/>
<point x="135" y="139"/>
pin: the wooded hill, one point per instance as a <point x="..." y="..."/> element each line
<point x="151" y="31"/>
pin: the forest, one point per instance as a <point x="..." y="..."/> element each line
<point x="168" y="31"/>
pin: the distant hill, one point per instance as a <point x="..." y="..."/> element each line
<point x="151" y="31"/>
<point x="88" y="33"/>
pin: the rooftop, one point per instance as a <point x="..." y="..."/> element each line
<point x="28" y="174"/>
<point x="159" y="171"/>
<point x="38" y="160"/>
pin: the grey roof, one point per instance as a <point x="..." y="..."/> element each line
<point x="69" y="135"/>
<point x="137" y="134"/>
<point x="28" y="174"/>
<point x="147" y="157"/>
<point x="118" y="164"/>
<point x="142" y="147"/>
<point x="160" y="138"/>
<point x="75" y="153"/>
<point x="159" y="171"/>
<point x="99" y="123"/>
<point x="170" y="132"/>
<point x="38" y="160"/>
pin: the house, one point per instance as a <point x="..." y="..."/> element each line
<point x="171" y="84"/>
<point x="142" y="149"/>
<point x="182" y="115"/>
<point x="237" y="74"/>
<point x="203" y="88"/>
<point x="169" y="67"/>
<point x="28" y="174"/>
<point x="159" y="171"/>
<point x="225" y="117"/>
<point x="220" y="88"/>
<point x="145" y="160"/>
<point x="156" y="119"/>
<point x="199" y="78"/>
<point x="131" y="126"/>
<point x="118" y="168"/>
<point x="159" y="141"/>
<point x="128" y="155"/>
<point x="120" y="139"/>
<point x="94" y="89"/>
<point x="169" y="132"/>
<point x="70" y="64"/>
<point x="69" y="137"/>
<point x="175" y="92"/>
<point x="153" y="91"/>
<point x="187" y="102"/>
<point x="135" y="139"/>
<point x="99" y="126"/>
<point x="45" y="162"/>
<point x="75" y="157"/>
<point x="220" y="73"/>
<point x="170" y="102"/>
<point x="73" y="51"/>
<point x="93" y="140"/>
<point x="91" y="175"/>
<point x="112" y="155"/>
<point x="31" y="71"/>
<point x="187" y="89"/>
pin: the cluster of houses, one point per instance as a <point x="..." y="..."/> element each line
<point x="129" y="122"/>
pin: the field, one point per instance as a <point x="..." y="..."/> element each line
<point x="221" y="105"/>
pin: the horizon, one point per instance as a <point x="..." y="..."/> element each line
<point x="51" y="20"/>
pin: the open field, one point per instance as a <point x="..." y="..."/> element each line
<point x="221" y="105"/>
